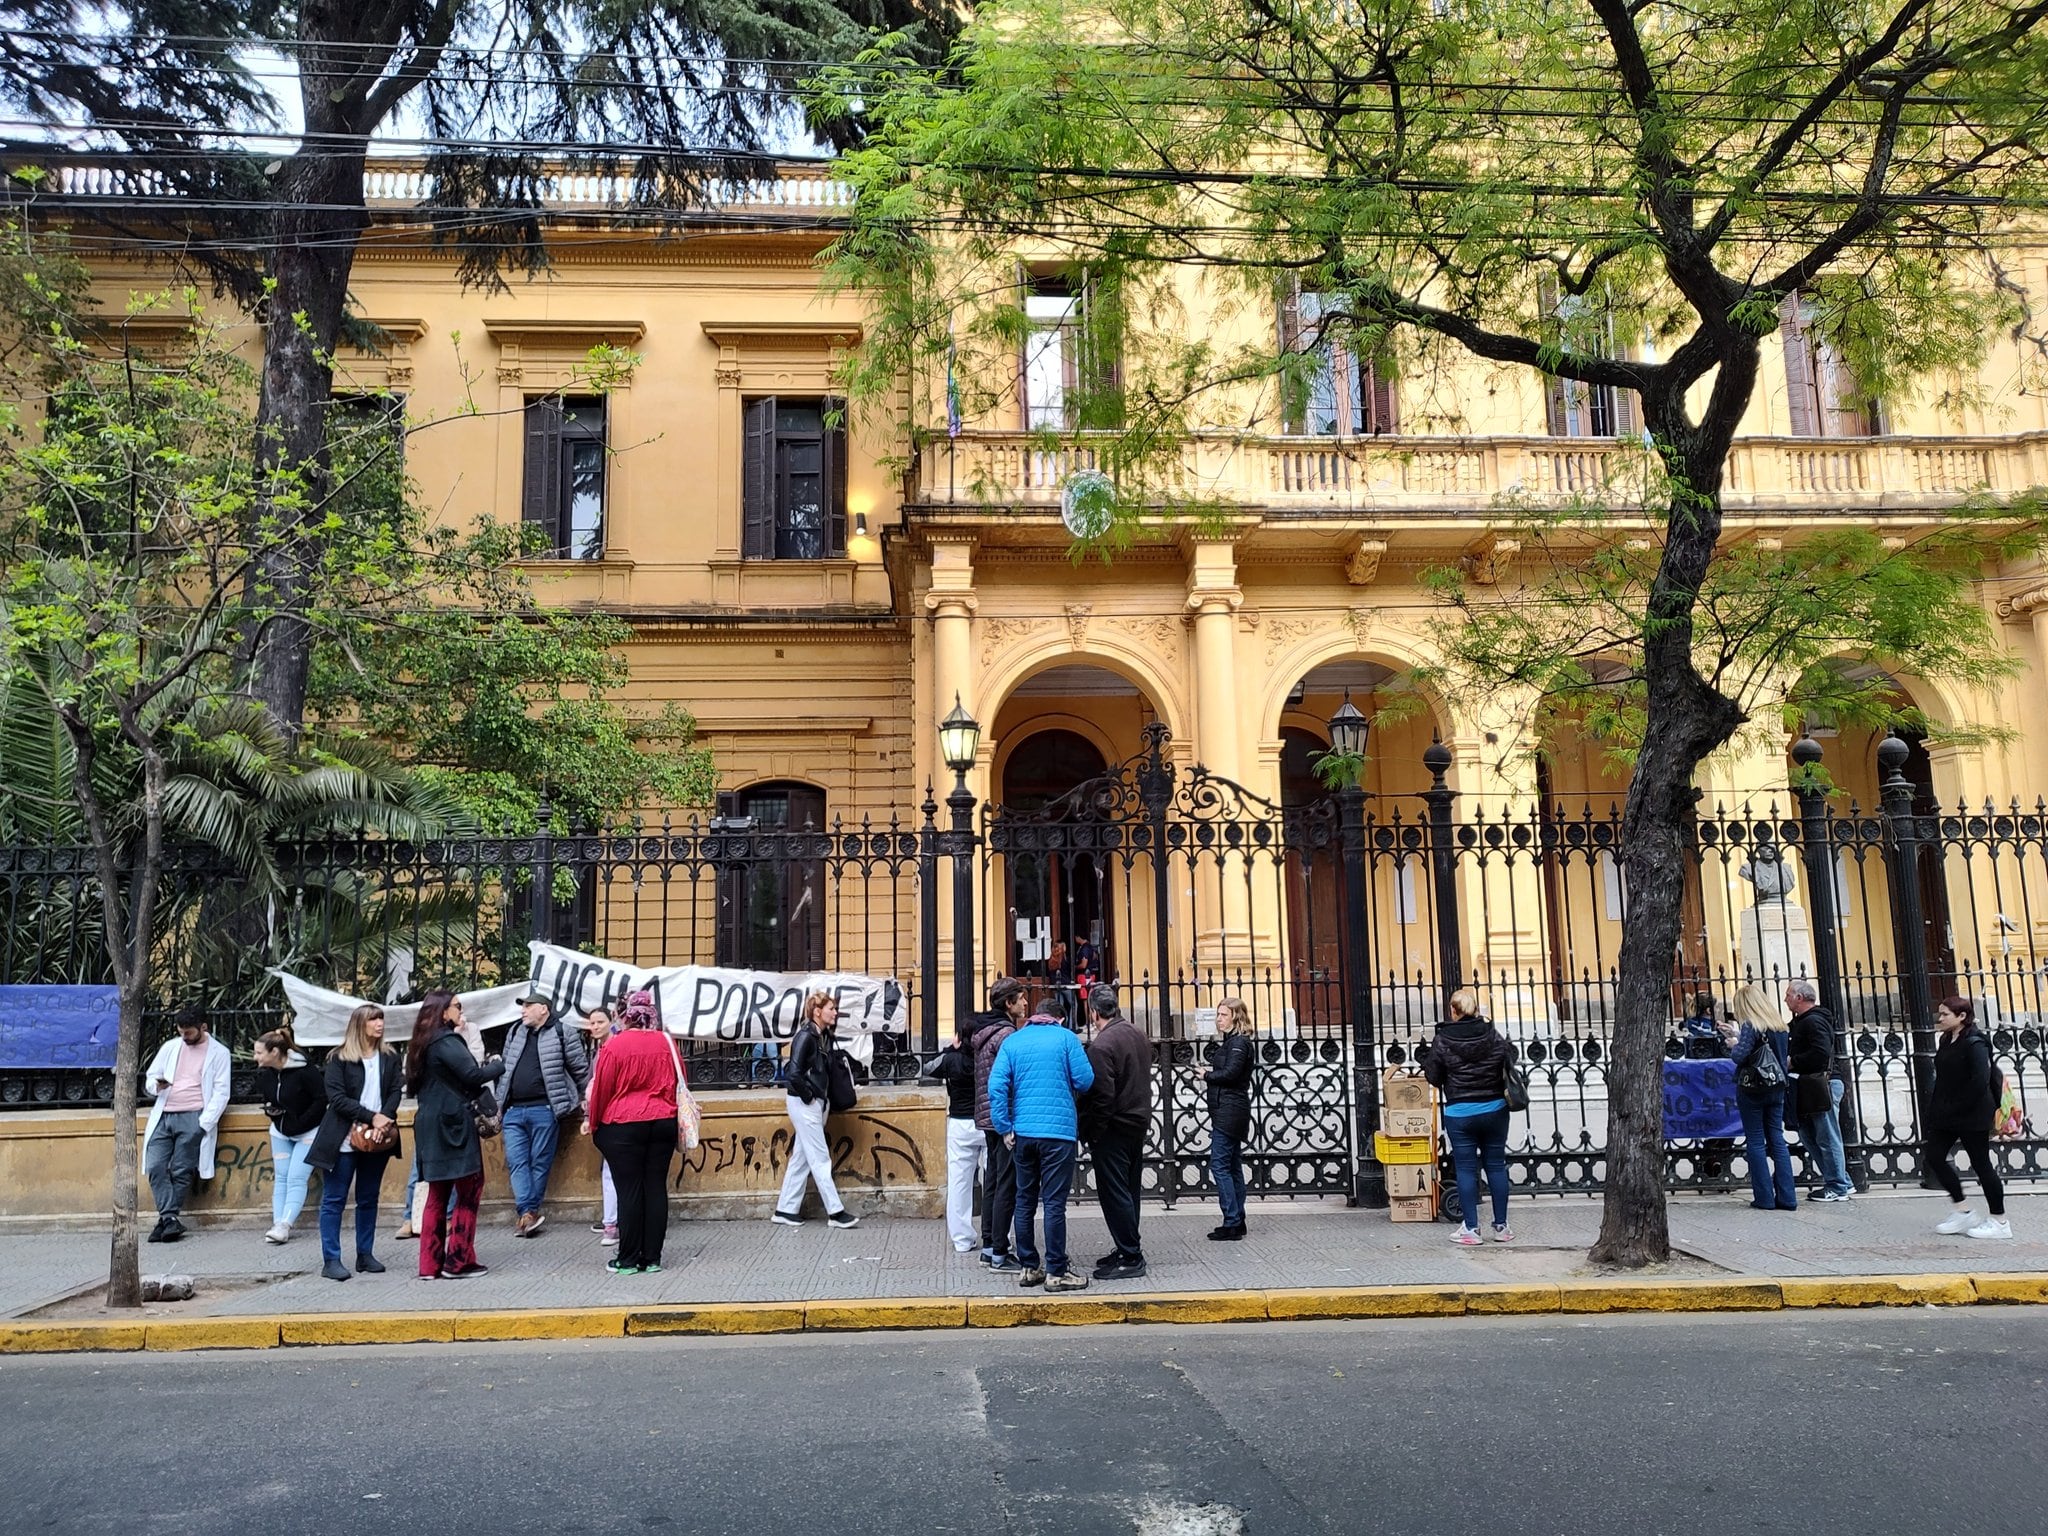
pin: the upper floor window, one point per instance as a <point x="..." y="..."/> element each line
<point x="1574" y="408"/>
<point x="1820" y="387"/>
<point x="1071" y="370"/>
<point x="771" y="906"/>
<point x="1346" y="395"/>
<point x="794" y="481"/>
<point x="565" y="471"/>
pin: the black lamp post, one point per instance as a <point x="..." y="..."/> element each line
<point x="1349" y="729"/>
<point x="959" y="742"/>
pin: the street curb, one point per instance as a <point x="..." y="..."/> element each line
<point x="731" y="1318"/>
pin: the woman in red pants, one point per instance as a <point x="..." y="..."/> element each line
<point x="445" y="1078"/>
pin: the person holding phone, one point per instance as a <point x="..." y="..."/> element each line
<point x="446" y="1079"/>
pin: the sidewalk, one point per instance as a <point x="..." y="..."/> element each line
<point x="1299" y="1245"/>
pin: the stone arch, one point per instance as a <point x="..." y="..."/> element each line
<point x="1130" y="662"/>
<point x="1295" y="662"/>
<point x="1953" y="769"/>
<point x="1088" y="730"/>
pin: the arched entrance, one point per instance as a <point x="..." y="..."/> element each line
<point x="1057" y="902"/>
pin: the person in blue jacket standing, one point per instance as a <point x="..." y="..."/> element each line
<point x="1039" y="1073"/>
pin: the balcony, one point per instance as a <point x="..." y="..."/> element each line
<point x="1424" y="477"/>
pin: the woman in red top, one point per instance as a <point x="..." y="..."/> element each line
<point x="633" y="1120"/>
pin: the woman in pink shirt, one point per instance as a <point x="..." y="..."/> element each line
<point x="632" y="1117"/>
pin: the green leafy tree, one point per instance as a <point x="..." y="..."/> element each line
<point x="1539" y="185"/>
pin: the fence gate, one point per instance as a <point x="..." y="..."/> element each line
<point x="1179" y="888"/>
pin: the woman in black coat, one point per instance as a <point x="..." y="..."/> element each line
<point x="1959" y="1110"/>
<point x="1468" y="1062"/>
<point x="294" y="1098"/>
<point x="1228" y="1079"/>
<point x="362" y="1081"/>
<point x="445" y="1078"/>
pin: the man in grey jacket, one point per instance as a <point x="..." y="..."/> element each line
<point x="547" y="1069"/>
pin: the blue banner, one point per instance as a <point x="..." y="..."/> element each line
<point x="44" y="1027"/>
<point x="1699" y="1101"/>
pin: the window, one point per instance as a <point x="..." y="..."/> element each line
<point x="565" y="472"/>
<point x="771" y="899"/>
<point x="1820" y="388"/>
<point x="1070" y="373"/>
<point x="1573" y="408"/>
<point x="794" y="485"/>
<point x="1347" y="395"/>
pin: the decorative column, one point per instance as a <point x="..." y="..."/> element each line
<point x="1221" y="881"/>
<point x="951" y="602"/>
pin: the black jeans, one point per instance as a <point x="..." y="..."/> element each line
<point x="638" y="1153"/>
<point x="998" y="1195"/>
<point x="1119" y="1156"/>
<point x="1935" y="1159"/>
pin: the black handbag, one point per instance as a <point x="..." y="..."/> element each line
<point x="839" y="1091"/>
<point x="1761" y="1072"/>
<point x="1814" y="1096"/>
<point x="1516" y="1089"/>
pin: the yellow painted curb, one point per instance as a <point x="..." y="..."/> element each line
<point x="212" y="1333"/>
<point x="2010" y="1287"/>
<point x="720" y="1317"/>
<point x="1028" y="1311"/>
<point x="563" y="1323"/>
<point x="1510" y="1298"/>
<point x="1878" y="1291"/>
<point x="1670" y="1296"/>
<point x="1367" y="1301"/>
<point x="1197" y="1307"/>
<point x="67" y="1338"/>
<point x="862" y="1315"/>
<point x="369" y="1328"/>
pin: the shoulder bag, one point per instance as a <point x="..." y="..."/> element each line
<point x="1516" y="1089"/>
<point x="1761" y="1072"/>
<point x="840" y="1095"/>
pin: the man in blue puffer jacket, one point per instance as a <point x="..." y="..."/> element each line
<point x="1039" y="1072"/>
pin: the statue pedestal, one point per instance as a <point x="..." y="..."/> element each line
<point x="1775" y="944"/>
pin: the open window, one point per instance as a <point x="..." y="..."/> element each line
<point x="794" y="480"/>
<point x="1574" y="408"/>
<point x="1347" y="395"/>
<point x="565" y="475"/>
<point x="1821" y="390"/>
<point x="1070" y="374"/>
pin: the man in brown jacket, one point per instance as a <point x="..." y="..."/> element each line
<point x="1115" y="1114"/>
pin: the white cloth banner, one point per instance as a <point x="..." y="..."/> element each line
<point x="699" y="1002"/>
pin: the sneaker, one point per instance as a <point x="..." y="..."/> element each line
<point x="963" y="1247"/>
<point x="524" y="1226"/>
<point x="1828" y="1197"/>
<point x="650" y="1269"/>
<point x="1029" y="1278"/>
<point x="1502" y="1234"/>
<point x="156" y="1233"/>
<point x="1130" y="1269"/>
<point x="843" y="1220"/>
<point x="1073" y="1282"/>
<point x="277" y="1234"/>
<point x="787" y="1219"/>
<point x="535" y="1223"/>
<point x="988" y="1258"/>
<point x="1005" y="1264"/>
<point x="598" y="1226"/>
<point x="1467" y="1237"/>
<point x="611" y="1236"/>
<point x="1962" y="1221"/>
<point x="1992" y="1226"/>
<point x="616" y="1268"/>
<point x="174" y="1230"/>
<point x="406" y="1234"/>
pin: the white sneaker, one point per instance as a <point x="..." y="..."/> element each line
<point x="277" y="1234"/>
<point x="1962" y="1221"/>
<point x="1992" y="1226"/>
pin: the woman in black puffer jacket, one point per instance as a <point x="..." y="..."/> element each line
<point x="1228" y="1078"/>
<point x="1468" y="1062"/>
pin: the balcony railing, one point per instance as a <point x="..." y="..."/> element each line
<point x="1312" y="476"/>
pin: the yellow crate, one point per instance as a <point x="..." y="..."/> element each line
<point x="1404" y="1149"/>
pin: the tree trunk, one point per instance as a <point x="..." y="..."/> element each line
<point x="124" y="1269"/>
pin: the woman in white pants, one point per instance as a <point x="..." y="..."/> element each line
<point x="966" y="1144"/>
<point x="809" y="1091"/>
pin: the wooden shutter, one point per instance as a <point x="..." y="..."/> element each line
<point x="835" y="477"/>
<point x="1799" y="382"/>
<point x="1380" y="397"/>
<point x="541" y="501"/>
<point x="1626" y="415"/>
<point x="1293" y="413"/>
<point x="757" y="482"/>
<point x="1556" y="408"/>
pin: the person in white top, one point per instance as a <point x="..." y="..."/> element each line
<point x="189" y="1079"/>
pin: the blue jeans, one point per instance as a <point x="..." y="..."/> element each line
<point x="1226" y="1163"/>
<point x="1045" y="1171"/>
<point x="1770" y="1160"/>
<point x="1821" y="1135"/>
<point x="366" y="1171"/>
<point x="289" y="1175"/>
<point x="1477" y="1139"/>
<point x="531" y="1135"/>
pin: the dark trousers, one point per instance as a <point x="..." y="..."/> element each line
<point x="998" y="1195"/>
<point x="172" y="1160"/>
<point x="1119" y="1157"/>
<point x="1045" y="1172"/>
<point x="638" y="1153"/>
<point x="365" y="1170"/>
<point x="1480" y="1141"/>
<point x="1934" y="1158"/>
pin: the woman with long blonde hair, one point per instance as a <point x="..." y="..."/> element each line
<point x="810" y="1089"/>
<point x="1227" y="1077"/>
<point x="358" y="1137"/>
<point x="1758" y="1026"/>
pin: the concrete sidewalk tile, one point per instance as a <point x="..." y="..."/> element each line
<point x="1670" y="1296"/>
<point x="1030" y="1311"/>
<point x="857" y="1316"/>
<point x="1197" y="1307"/>
<point x="2022" y="1288"/>
<point x="211" y="1333"/>
<point x="1512" y="1297"/>
<point x="68" y="1338"/>
<point x="1879" y="1291"/>
<point x="369" y="1328"/>
<point x="1366" y="1301"/>
<point x="547" y="1323"/>
<point x="720" y="1317"/>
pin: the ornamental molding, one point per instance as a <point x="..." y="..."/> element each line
<point x="1161" y="634"/>
<point x="1281" y="633"/>
<point x="2025" y="604"/>
<point x="999" y="635"/>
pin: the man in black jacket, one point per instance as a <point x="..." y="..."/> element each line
<point x="1816" y="1090"/>
<point x="1115" y="1114"/>
<point x="1009" y="1003"/>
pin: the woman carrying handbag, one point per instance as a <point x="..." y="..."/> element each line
<point x="636" y="1097"/>
<point x="1762" y="1052"/>
<point x="358" y="1137"/>
<point x="1471" y="1063"/>
<point x="445" y="1078"/>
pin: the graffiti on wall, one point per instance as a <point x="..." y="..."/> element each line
<point x="865" y="1150"/>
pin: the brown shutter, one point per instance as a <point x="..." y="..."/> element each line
<point x="541" y="500"/>
<point x="1799" y="383"/>
<point x="757" y="482"/>
<point x="1626" y="415"/>
<point x="835" y="478"/>
<point x="1554" y="408"/>
<point x="1380" y="392"/>
<point x="1293" y="413"/>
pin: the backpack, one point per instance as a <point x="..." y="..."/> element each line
<point x="839" y="1090"/>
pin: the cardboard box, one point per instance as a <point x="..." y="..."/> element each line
<point x="1405" y="1149"/>
<point x="1408" y="1122"/>
<point x="1410" y="1181"/>
<point x="1422" y="1208"/>
<point x="1401" y="1088"/>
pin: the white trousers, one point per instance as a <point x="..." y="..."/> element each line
<point x="611" y="1197"/>
<point x="966" y="1158"/>
<point x="809" y="1158"/>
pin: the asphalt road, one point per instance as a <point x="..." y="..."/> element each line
<point x="1924" y="1422"/>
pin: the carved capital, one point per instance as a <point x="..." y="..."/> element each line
<point x="951" y="605"/>
<point x="1225" y="600"/>
<point x="2025" y="604"/>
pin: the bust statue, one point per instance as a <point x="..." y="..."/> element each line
<point x="1769" y="873"/>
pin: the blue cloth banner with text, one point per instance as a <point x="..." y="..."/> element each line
<point x="52" y="1026"/>
<point x="1699" y="1100"/>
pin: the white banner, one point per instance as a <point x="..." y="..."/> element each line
<point x="696" y="1001"/>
